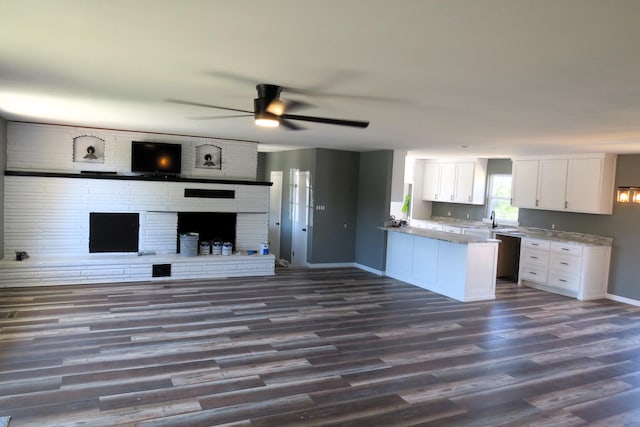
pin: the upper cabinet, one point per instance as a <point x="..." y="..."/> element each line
<point x="455" y="181"/>
<point x="580" y="183"/>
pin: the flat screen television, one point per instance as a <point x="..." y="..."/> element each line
<point x="156" y="158"/>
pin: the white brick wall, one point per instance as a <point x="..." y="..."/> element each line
<point x="36" y="147"/>
<point x="49" y="216"/>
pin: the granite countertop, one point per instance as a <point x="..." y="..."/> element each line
<point x="440" y="235"/>
<point x="530" y="232"/>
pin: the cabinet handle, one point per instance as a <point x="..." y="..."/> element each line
<point x="534" y="257"/>
<point x="562" y="280"/>
<point x="532" y="272"/>
<point x="535" y="244"/>
<point x="565" y="249"/>
<point x="566" y="204"/>
<point x="537" y="202"/>
<point x="564" y="263"/>
<point x="435" y="196"/>
<point x="452" y="197"/>
<point x="469" y="198"/>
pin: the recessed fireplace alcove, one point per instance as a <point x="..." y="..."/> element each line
<point x="209" y="226"/>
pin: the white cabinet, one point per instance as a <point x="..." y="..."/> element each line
<point x="524" y="183"/>
<point x="582" y="183"/>
<point x="459" y="270"/>
<point x="455" y="181"/>
<point x="571" y="269"/>
<point x="431" y="185"/>
<point x="552" y="183"/>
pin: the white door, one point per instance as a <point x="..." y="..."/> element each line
<point x="431" y="181"/>
<point x="300" y="212"/>
<point x="275" y="213"/>
<point x="583" y="185"/>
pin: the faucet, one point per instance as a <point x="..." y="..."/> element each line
<point x="493" y="219"/>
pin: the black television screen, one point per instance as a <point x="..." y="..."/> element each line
<point x="157" y="158"/>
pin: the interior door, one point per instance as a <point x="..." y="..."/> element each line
<point x="275" y="213"/>
<point x="300" y="211"/>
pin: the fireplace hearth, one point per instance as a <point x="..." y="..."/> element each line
<point x="209" y="225"/>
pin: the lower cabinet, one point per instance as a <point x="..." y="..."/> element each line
<point x="571" y="269"/>
<point x="463" y="271"/>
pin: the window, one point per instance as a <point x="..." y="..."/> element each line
<point x="499" y="199"/>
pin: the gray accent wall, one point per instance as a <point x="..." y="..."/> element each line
<point x="3" y="168"/>
<point x="334" y="185"/>
<point x="374" y="198"/>
<point x="622" y="225"/>
<point x="355" y="191"/>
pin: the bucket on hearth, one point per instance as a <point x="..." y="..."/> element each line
<point x="264" y="248"/>
<point x="205" y="248"/>
<point x="189" y="244"/>
<point x="227" y="248"/>
<point x="216" y="247"/>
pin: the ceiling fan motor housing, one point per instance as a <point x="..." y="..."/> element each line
<point x="268" y="92"/>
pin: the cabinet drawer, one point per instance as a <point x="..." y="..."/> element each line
<point x="566" y="248"/>
<point x="536" y="244"/>
<point x="533" y="274"/>
<point x="566" y="264"/>
<point x="564" y="281"/>
<point x="431" y="226"/>
<point x="534" y="258"/>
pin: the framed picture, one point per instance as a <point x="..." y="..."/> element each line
<point x="88" y="149"/>
<point x="208" y="156"/>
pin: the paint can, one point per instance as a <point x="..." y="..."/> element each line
<point x="188" y="244"/>
<point x="205" y="248"/>
<point x="216" y="247"/>
<point x="227" y="248"/>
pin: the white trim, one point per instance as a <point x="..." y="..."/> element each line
<point x="369" y="269"/>
<point x="624" y="300"/>
<point x="346" y="265"/>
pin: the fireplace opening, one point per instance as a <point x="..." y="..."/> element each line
<point x="113" y="232"/>
<point x="209" y="226"/>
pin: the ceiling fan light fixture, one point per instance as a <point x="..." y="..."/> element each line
<point x="276" y="107"/>
<point x="267" y="120"/>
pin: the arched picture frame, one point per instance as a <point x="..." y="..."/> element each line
<point x="208" y="156"/>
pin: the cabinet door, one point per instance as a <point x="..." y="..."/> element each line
<point x="583" y="185"/>
<point x="431" y="181"/>
<point x="464" y="182"/>
<point x="524" y="184"/>
<point x="552" y="184"/>
<point x="447" y="182"/>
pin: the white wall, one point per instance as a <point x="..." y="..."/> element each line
<point x="49" y="148"/>
<point x="49" y="216"/>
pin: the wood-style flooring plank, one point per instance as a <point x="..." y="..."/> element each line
<point x="313" y="347"/>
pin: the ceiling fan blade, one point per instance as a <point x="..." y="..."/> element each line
<point x="219" y="117"/>
<point x="290" y="125"/>
<point x="325" y="120"/>
<point x="198" y="104"/>
<point x="293" y="105"/>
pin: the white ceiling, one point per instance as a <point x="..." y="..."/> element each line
<point x="504" y="77"/>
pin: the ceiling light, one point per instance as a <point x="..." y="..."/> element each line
<point x="276" y="107"/>
<point x="268" y="120"/>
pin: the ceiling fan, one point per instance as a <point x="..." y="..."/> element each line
<point x="270" y="111"/>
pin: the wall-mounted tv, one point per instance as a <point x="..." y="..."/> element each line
<point x="156" y="158"/>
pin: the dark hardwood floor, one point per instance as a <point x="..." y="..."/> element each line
<point x="313" y="347"/>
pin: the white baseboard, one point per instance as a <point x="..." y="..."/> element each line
<point x="369" y="269"/>
<point x="624" y="300"/>
<point x="346" y="265"/>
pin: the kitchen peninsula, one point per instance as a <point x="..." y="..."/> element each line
<point x="458" y="266"/>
